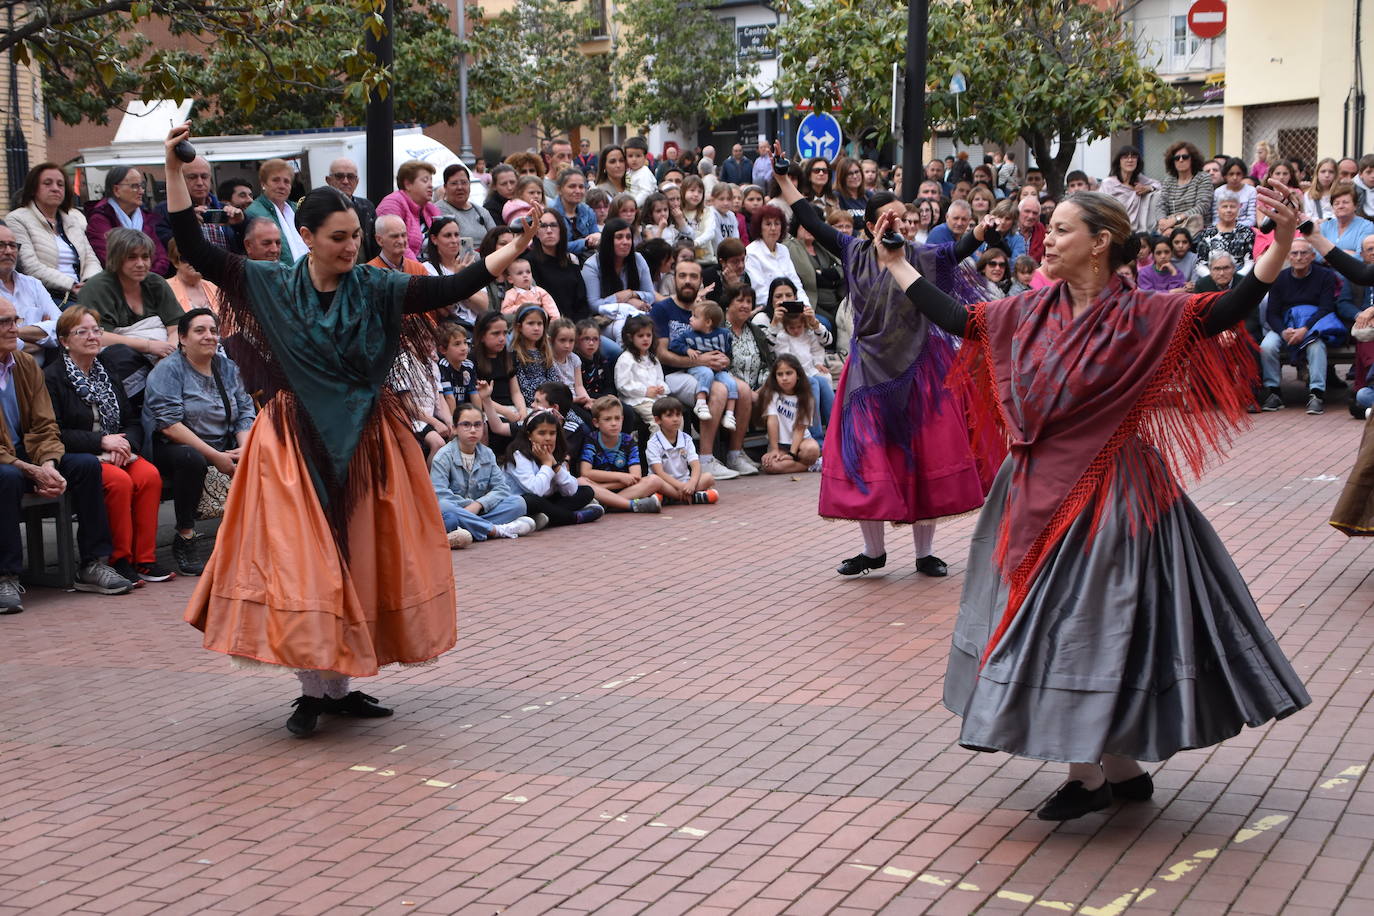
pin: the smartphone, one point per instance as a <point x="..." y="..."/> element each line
<point x="793" y="307"/>
<point x="466" y="245"/>
<point x="214" y="216"/>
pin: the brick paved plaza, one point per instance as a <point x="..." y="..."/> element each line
<point x="686" y="713"/>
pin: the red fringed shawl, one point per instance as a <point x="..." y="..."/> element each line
<point x="1069" y="393"/>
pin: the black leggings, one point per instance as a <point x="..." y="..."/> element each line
<point x="557" y="507"/>
<point x="185" y="468"/>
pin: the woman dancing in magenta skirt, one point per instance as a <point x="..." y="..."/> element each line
<point x="901" y="446"/>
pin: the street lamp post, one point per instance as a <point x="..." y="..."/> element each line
<point x="465" y="150"/>
<point x="914" y="109"/>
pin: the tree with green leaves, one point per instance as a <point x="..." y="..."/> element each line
<point x="529" y="68"/>
<point x="1052" y="72"/>
<point x="676" y="63"/>
<point x="424" y="81"/>
<point x="94" y="56"/>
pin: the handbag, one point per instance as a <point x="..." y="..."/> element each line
<point x="215" y="491"/>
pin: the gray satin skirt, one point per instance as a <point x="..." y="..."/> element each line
<point x="1140" y="644"/>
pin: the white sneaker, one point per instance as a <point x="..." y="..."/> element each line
<point x="815" y="467"/>
<point x="717" y="470"/>
<point x="740" y="463"/>
<point x="522" y="525"/>
<point x="728" y="421"/>
<point x="703" y="411"/>
<point x="459" y="538"/>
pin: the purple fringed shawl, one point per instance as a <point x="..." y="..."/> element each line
<point x="897" y="358"/>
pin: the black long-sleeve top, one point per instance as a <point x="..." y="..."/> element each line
<point x="1232" y="307"/>
<point x="1352" y="268"/>
<point x="829" y="237"/>
<point x="423" y="294"/>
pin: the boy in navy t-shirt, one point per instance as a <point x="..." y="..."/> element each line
<point x="610" y="463"/>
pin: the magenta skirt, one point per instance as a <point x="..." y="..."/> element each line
<point x="946" y="477"/>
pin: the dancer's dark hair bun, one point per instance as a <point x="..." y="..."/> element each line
<point x="1130" y="249"/>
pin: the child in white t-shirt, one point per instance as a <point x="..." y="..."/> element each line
<point x="673" y="458"/>
<point x="802" y="335"/>
<point x="638" y="374"/>
<point x="567" y="365"/>
<point x="787" y="410"/>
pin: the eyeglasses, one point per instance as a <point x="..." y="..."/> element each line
<point x="82" y="333"/>
<point x="997" y="263"/>
<point x="10" y="246"/>
<point x="544" y="225"/>
<point x="469" y="424"/>
<point x="819" y="170"/>
<point x="9" y="321"/>
<point x="1180" y="157"/>
<point x="344" y="176"/>
<point x="131" y="187"/>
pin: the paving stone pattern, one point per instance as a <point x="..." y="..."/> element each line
<point x="688" y="713"/>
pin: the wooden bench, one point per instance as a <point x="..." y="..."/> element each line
<point x="32" y="511"/>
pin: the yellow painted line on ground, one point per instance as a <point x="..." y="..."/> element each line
<point x="1259" y="827"/>
<point x="1118" y="906"/>
<point x="1337" y="780"/>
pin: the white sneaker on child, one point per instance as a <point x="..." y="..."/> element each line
<point x="522" y="525"/>
<point x="815" y="467"/>
<point x="703" y="410"/>
<point x="728" y="421"/>
<point x="459" y="538"/>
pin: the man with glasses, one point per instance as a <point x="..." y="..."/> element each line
<point x="223" y="234"/>
<point x="33" y="460"/>
<point x="1302" y="283"/>
<point x="37" y="313"/>
<point x="473" y="222"/>
<point x="343" y="176"/>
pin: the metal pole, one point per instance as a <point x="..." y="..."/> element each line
<point x="914" y="114"/>
<point x="465" y="150"/>
<point x="381" y="113"/>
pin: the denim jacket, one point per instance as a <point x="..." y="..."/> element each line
<point x="485" y="484"/>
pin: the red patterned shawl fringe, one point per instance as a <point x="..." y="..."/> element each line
<point x="262" y="375"/>
<point x="1196" y="401"/>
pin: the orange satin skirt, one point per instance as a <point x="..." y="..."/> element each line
<point x="276" y="590"/>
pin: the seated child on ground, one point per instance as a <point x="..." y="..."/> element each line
<point x="598" y="376"/>
<point x="430" y="418"/>
<point x="787" y="409"/>
<point x="610" y="463"/>
<point x="673" y="457"/>
<point x="567" y="364"/>
<point x="537" y="466"/>
<point x="523" y="291"/>
<point x="457" y="377"/>
<point x="802" y="335"/>
<point x="638" y="375"/>
<point x="705" y="332"/>
<point x="475" y="497"/>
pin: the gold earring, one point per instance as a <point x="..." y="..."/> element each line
<point x="1097" y="269"/>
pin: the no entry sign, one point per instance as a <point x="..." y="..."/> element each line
<point x="1207" y="18"/>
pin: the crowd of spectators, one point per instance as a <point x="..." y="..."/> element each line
<point x="668" y="301"/>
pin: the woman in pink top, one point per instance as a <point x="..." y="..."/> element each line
<point x="412" y="202"/>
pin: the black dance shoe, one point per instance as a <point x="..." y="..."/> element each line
<point x="307" y="715"/>
<point x="1072" y="800"/>
<point x="932" y="566"/>
<point x="861" y="564"/>
<point x="358" y="705"/>
<point x="1136" y="789"/>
